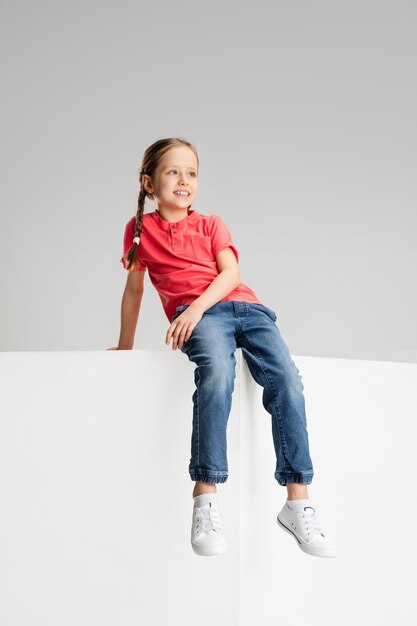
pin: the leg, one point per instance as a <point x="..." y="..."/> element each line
<point x="211" y="347"/>
<point x="272" y="367"/>
<point x="296" y="491"/>
<point x="201" y="487"/>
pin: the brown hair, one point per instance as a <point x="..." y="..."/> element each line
<point x="149" y="165"/>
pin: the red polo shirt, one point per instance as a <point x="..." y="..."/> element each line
<point x="181" y="257"/>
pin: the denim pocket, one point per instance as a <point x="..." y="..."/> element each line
<point x="182" y="308"/>
<point x="179" y="310"/>
<point x="269" y="312"/>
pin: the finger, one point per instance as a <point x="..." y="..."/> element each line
<point x="176" y="336"/>
<point x="169" y="332"/>
<point x="185" y="335"/>
<point x="189" y="331"/>
<point x="175" y="339"/>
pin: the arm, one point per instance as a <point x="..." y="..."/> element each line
<point x="131" y="302"/>
<point x="227" y="280"/>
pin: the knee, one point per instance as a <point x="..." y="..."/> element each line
<point x="218" y="375"/>
<point x="295" y="383"/>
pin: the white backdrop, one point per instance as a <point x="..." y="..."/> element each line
<point x="96" y="504"/>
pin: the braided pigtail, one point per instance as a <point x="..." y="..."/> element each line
<point x="131" y="257"/>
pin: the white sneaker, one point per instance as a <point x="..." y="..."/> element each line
<point x="299" y="519"/>
<point x="207" y="537"/>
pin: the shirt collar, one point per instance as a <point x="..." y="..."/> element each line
<point x="181" y="225"/>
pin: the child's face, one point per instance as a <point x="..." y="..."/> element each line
<point x="177" y="169"/>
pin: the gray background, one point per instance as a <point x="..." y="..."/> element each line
<point x="303" y="114"/>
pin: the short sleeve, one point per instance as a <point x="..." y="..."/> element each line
<point x="221" y="237"/>
<point x="127" y="243"/>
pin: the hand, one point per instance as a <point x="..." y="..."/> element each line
<point x="183" y="326"/>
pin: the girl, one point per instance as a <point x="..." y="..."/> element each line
<point x="193" y="264"/>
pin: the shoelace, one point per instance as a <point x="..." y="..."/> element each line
<point x="207" y="518"/>
<point x="311" y="522"/>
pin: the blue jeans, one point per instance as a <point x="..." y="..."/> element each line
<point x="224" y="327"/>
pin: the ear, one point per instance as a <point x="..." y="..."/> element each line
<point x="146" y="183"/>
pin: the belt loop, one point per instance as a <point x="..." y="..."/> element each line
<point x="240" y="308"/>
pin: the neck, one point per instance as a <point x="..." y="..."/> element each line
<point x="173" y="216"/>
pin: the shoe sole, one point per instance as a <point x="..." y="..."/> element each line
<point x="210" y="550"/>
<point x="311" y="550"/>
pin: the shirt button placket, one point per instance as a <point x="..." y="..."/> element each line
<point x="174" y="241"/>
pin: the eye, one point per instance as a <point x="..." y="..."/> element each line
<point x="193" y="173"/>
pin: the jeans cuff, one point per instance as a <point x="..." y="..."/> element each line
<point x="208" y="477"/>
<point x="303" y="478"/>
